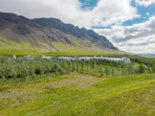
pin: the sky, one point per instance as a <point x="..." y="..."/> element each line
<point x="128" y="24"/>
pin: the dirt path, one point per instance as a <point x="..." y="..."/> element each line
<point x="79" y="80"/>
<point x="31" y="91"/>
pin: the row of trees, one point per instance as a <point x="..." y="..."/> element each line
<point x="16" y="68"/>
<point x="146" y="61"/>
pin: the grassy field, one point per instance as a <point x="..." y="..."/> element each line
<point x="10" y="48"/>
<point x="87" y="92"/>
<point x="79" y="94"/>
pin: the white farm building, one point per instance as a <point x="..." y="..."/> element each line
<point x="125" y="60"/>
<point x="60" y="58"/>
<point x="67" y="58"/>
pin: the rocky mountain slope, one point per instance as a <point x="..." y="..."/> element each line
<point x="49" y="34"/>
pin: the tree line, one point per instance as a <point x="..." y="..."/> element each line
<point x="16" y="68"/>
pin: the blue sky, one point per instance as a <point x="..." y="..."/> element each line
<point x="90" y="4"/>
<point x="144" y="11"/>
<point x="128" y="24"/>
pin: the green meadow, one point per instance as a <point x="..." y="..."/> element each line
<point x="79" y="94"/>
<point x="75" y="88"/>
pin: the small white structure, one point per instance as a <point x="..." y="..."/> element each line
<point x="125" y="60"/>
<point x="86" y="58"/>
<point x="14" y="56"/>
<point x="60" y="58"/>
<point x="28" y="57"/>
<point x="50" y="58"/>
<point x="43" y="56"/>
<point x="66" y="58"/>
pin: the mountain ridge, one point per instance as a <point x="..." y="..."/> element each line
<point x="46" y="33"/>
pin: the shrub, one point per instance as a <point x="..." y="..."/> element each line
<point x="153" y="68"/>
<point x="142" y="68"/>
<point x="107" y="70"/>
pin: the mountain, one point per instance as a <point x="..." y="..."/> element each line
<point x="49" y="34"/>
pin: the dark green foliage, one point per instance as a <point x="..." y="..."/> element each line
<point x="153" y="68"/>
<point x="142" y="68"/>
<point x="78" y="67"/>
<point x="88" y="68"/>
<point x="74" y="66"/>
<point x="107" y="70"/>
<point x="124" y="72"/>
<point x="101" y="71"/>
<point x="70" y="65"/>
<point x="143" y="60"/>
<point x="83" y="67"/>
<point x="64" y="65"/>
<point x="16" y="68"/>
<point x="10" y="68"/>
<point x="149" y="69"/>
<point x="62" y="71"/>
<point x="95" y="71"/>
<point x="113" y="72"/>
<point x="131" y="69"/>
<point x="111" y="63"/>
<point x="56" y="73"/>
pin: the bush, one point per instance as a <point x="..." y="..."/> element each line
<point x="107" y="70"/>
<point x="153" y="68"/>
<point x="142" y="68"/>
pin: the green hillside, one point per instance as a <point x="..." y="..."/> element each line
<point x="9" y="48"/>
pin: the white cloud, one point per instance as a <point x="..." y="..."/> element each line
<point x="145" y="2"/>
<point x="107" y="12"/>
<point x="147" y="13"/>
<point x="109" y="33"/>
<point x="136" y="38"/>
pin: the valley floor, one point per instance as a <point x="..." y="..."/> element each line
<point x="79" y="94"/>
